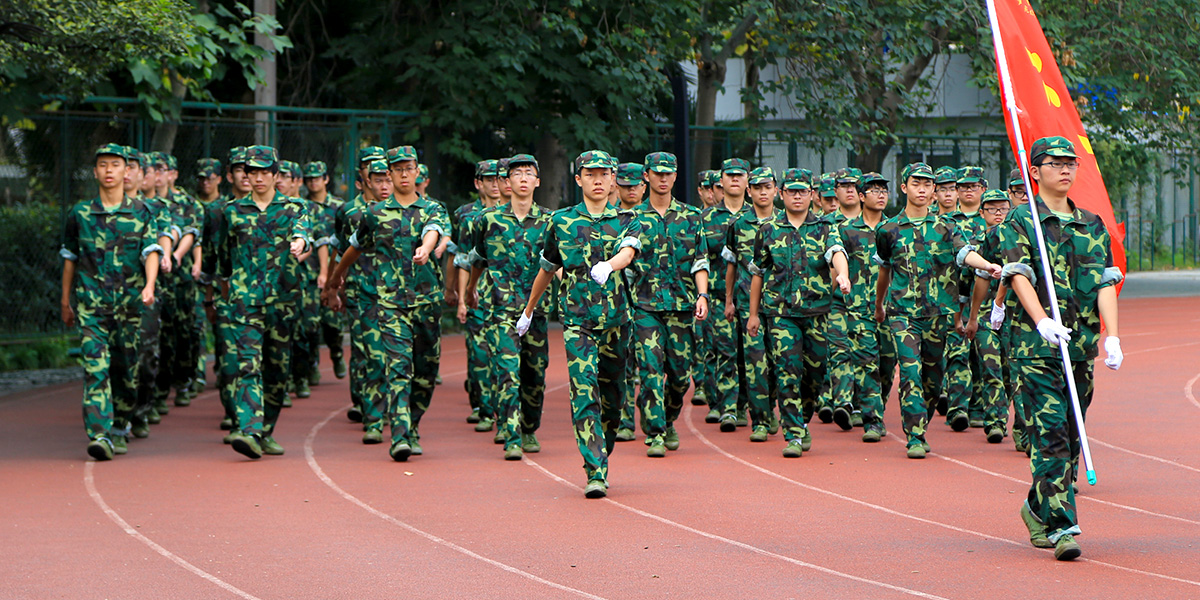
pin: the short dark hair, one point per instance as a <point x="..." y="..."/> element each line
<point x="274" y="169"/>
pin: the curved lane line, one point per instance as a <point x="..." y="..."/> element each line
<point x="769" y="473"/>
<point x="320" y="473"/>
<point x="89" y="483"/>
<point x="1163" y="348"/>
<point x="1145" y="456"/>
<point x="1187" y="390"/>
<point x="742" y="545"/>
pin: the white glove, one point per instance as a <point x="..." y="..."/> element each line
<point x="1052" y="332"/>
<point x="523" y="324"/>
<point x="601" y="271"/>
<point x="1112" y="346"/>
<point x="997" y="317"/>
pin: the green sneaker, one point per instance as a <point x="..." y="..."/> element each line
<point x="1037" y="531"/>
<point x="958" y="421"/>
<point x="656" y="448"/>
<point x="743" y="419"/>
<point x="339" y="368"/>
<point x="438" y="380"/>
<point x="228" y="439"/>
<point x="995" y="435"/>
<point x="270" y="446"/>
<point x="153" y="417"/>
<point x="1067" y="548"/>
<point x="415" y="444"/>
<point x="287" y="401"/>
<point x="671" y="438"/>
<point x="314" y="377"/>
<point x="372" y="437"/>
<point x="474" y="416"/>
<point x="872" y="434"/>
<point x="977" y="422"/>
<point x="625" y="434"/>
<point x="226" y="424"/>
<point x="302" y="390"/>
<point x="120" y="444"/>
<point x="513" y="452"/>
<point x="698" y="398"/>
<point x="841" y="416"/>
<point x="162" y="408"/>
<point x="773" y="425"/>
<point x="140" y="430"/>
<point x="1019" y="440"/>
<point x="713" y="416"/>
<point x="354" y="414"/>
<point x="529" y="443"/>
<point x="183" y="396"/>
<point x="825" y="414"/>
<point x="247" y="446"/>
<point x="100" y="448"/>
<point x="728" y="422"/>
<point x="760" y="434"/>
<point x="793" y="449"/>
<point x="596" y="488"/>
<point x="484" y="424"/>
<point x="856" y="419"/>
<point x="916" y="451"/>
<point x="500" y="438"/>
<point x="806" y="439"/>
<point x="400" y="451"/>
<point x="925" y="445"/>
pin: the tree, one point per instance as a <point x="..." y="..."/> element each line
<point x="720" y="33"/>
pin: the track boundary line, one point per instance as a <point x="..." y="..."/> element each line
<point x="90" y="484"/>
<point x="1187" y="390"/>
<point x="1145" y="456"/>
<point x="770" y="473"/>
<point x="1140" y="351"/>
<point x="310" y="457"/>
<point x="733" y="542"/>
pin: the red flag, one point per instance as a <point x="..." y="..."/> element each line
<point x="1046" y="109"/>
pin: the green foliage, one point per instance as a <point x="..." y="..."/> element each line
<point x="50" y="353"/>
<point x="30" y="268"/>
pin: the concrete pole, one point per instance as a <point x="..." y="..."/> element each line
<point x="266" y="94"/>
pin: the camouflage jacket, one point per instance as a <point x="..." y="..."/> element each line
<point x="299" y="276"/>
<point x="577" y="241"/>
<point x="213" y="215"/>
<point x="1080" y="253"/>
<point x="324" y="216"/>
<point x="507" y="248"/>
<point x="253" y="246"/>
<point x="858" y="239"/>
<point x="973" y="229"/>
<point x="740" y="242"/>
<point x="188" y="215"/>
<point x="716" y="220"/>
<point x="109" y="248"/>
<point x="924" y="257"/>
<point x="434" y="270"/>
<point x="464" y="236"/>
<point x="663" y="276"/>
<point x="360" y="279"/>
<point x="392" y="232"/>
<point x="794" y="264"/>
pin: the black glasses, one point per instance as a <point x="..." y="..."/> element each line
<point x="1059" y="165"/>
<point x="999" y="210"/>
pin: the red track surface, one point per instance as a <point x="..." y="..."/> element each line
<point x="183" y="516"/>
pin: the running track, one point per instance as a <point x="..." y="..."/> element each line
<point x="183" y="516"/>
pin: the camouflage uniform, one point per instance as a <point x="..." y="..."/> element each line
<point x="702" y="368"/>
<point x="630" y="174"/>
<point x="329" y="324"/>
<point x="1081" y="256"/>
<point x="366" y="344"/>
<point x="924" y="257"/>
<point x="109" y="247"/>
<point x="754" y="371"/>
<point x="961" y="353"/>
<point x="596" y="327"/>
<point x="507" y="247"/>
<point x="478" y="378"/>
<point x="794" y="265"/>
<point x="177" y="294"/>
<point x="988" y="387"/>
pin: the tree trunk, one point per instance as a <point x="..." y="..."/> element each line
<point x="748" y="149"/>
<point x="164" y="132"/>
<point x="557" y="184"/>
<point x="710" y="75"/>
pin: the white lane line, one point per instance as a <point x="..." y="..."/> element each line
<point x="320" y="473"/>
<point x="884" y="509"/>
<point x="1145" y="456"/>
<point x="1163" y="348"/>
<point x="89" y="483"/>
<point x="732" y="542"/>
<point x="1077" y="496"/>
<point x="1187" y="390"/>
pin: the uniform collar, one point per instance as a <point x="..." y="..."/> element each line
<point x="1044" y="211"/>
<point x="608" y="213"/>
<point x="534" y="210"/>
<point x="126" y="206"/>
<point x="646" y="207"/>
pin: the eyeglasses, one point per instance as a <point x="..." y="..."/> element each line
<point x="877" y="191"/>
<point x="1019" y="193"/>
<point x="406" y="170"/>
<point x="1059" y="165"/>
<point x="970" y="186"/>
<point x="1000" y="210"/>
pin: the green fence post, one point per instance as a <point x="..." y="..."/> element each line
<point x="793" y="155"/>
<point x="64" y="169"/>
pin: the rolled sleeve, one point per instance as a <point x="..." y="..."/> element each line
<point x="354" y="241"/>
<point x="961" y="257"/>
<point x="875" y="258"/>
<point x="754" y="270"/>
<point x="1011" y="269"/>
<point x="451" y="247"/>
<point x="548" y="265"/>
<point x="727" y="255"/>
<point x="834" y="249"/>
<point x="433" y="227"/>
<point x="630" y="242"/>
<point x="462" y="261"/>
<point x="152" y="248"/>
<point x="67" y="254"/>
<point x="1112" y="276"/>
<point x="700" y="264"/>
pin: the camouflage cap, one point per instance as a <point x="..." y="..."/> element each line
<point x="827" y="185"/>
<point x="630" y="174"/>
<point x="371" y="153"/>
<point x="113" y="149"/>
<point x="971" y="175"/>
<point x="158" y="159"/>
<point x="709" y="178"/>
<point x="995" y="196"/>
<point x="595" y="159"/>
<point x="237" y="156"/>
<point x="422" y="173"/>
<point x="847" y="175"/>
<point x="761" y="175"/>
<point x="172" y="162"/>
<point x="945" y="175"/>
<point x="207" y="167"/>
<point x="1015" y="178"/>
<point x="735" y="166"/>
<point x="919" y="170"/>
<point x="869" y="178"/>
<point x="661" y="162"/>
<point x="401" y="153"/>
<point x="316" y="168"/>
<point x="797" y="179"/>
<point x="523" y="159"/>
<point x="1052" y="146"/>
<point x="501" y="167"/>
<point x="289" y="168"/>
<point x="487" y="168"/>
<point x="261" y="157"/>
<point x="377" y="166"/>
<point x="133" y="155"/>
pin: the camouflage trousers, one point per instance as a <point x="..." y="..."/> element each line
<point x="787" y="343"/>
<point x="478" y="365"/>
<point x="920" y="350"/>
<point x="225" y="351"/>
<point x="519" y="367"/>
<point x="664" y="347"/>
<point x="397" y="330"/>
<point x="201" y="349"/>
<point x="308" y="324"/>
<point x="754" y="374"/>
<point x="149" y="330"/>
<point x="855" y="370"/>
<point x="1054" y="440"/>
<point x="368" y="366"/>
<point x="596" y="367"/>
<point x="702" y="364"/>
<point x="177" y="338"/>
<point x="815" y="385"/>
<point x="886" y="373"/>
<point x="332" y="325"/>
<point x="959" y="387"/>
<point x="262" y="340"/>
<point x="725" y="340"/>
<point x="1022" y="417"/>
<point x="426" y="360"/>
<point x="109" y="349"/>
<point x="629" y="402"/>
<point x="989" y="386"/>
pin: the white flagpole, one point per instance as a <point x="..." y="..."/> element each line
<point x="1010" y="104"/>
